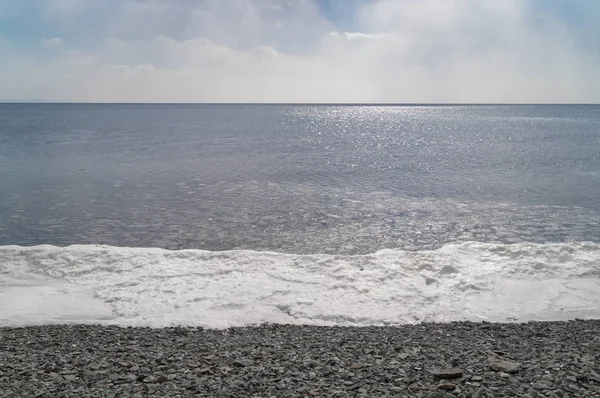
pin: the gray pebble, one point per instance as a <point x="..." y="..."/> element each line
<point x="558" y="360"/>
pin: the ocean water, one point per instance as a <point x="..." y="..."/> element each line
<point x="220" y="215"/>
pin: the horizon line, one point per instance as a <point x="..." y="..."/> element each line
<point x="39" y="102"/>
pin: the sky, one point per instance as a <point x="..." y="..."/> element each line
<point x="306" y="51"/>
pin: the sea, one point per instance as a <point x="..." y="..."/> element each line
<point x="221" y="215"/>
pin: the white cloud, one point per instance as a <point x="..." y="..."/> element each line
<point x="405" y="51"/>
<point x="55" y="41"/>
<point x="381" y="37"/>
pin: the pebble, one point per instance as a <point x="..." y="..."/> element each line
<point x="240" y="363"/>
<point x="543" y="385"/>
<point x="451" y="373"/>
<point x="559" y="360"/>
<point x="500" y="365"/>
<point x="447" y="386"/>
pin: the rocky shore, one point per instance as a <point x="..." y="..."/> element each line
<point x="536" y="359"/>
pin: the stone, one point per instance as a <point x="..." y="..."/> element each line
<point x="447" y="386"/>
<point x="159" y="379"/>
<point x="543" y="385"/>
<point x="449" y="373"/>
<point x="290" y="360"/>
<point x="49" y="367"/>
<point x="500" y="365"/>
<point x="240" y="363"/>
<point x="204" y="371"/>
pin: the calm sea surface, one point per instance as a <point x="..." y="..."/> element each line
<point x="298" y="178"/>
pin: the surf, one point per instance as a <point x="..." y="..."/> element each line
<point x="157" y="287"/>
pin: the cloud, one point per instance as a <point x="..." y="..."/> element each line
<point x="272" y="51"/>
<point x="369" y="37"/>
<point x="55" y="41"/>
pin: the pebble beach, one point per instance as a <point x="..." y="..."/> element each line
<point x="459" y="359"/>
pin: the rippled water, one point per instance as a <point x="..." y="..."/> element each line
<point x="298" y="178"/>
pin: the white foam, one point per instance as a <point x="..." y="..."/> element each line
<point x="156" y="287"/>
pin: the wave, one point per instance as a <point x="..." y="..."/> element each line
<point x="158" y="287"/>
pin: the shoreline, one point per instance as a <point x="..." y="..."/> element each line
<point x="552" y="359"/>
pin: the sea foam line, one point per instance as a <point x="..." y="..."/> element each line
<point x="158" y="287"/>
